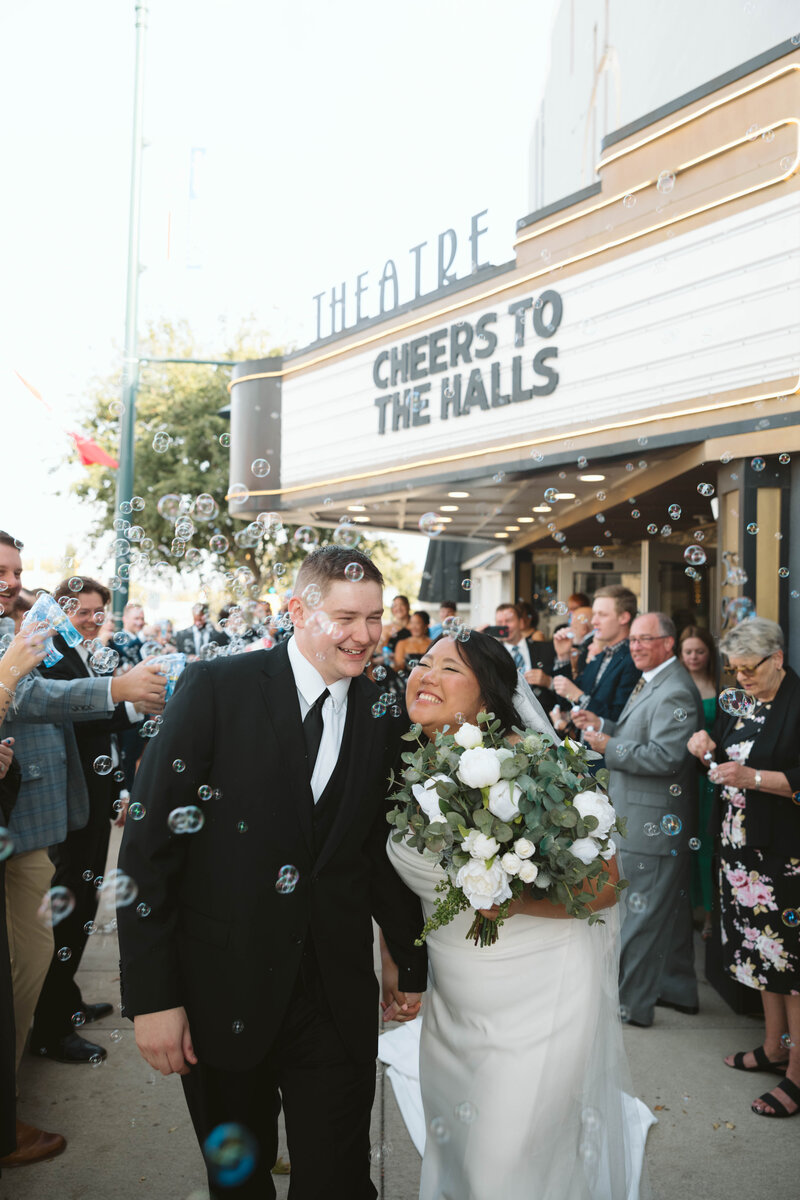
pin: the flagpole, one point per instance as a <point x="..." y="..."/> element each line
<point x="130" y="365"/>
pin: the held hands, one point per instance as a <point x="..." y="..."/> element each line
<point x="164" y="1041"/>
<point x="143" y="685"/>
<point x="396" y="1005"/>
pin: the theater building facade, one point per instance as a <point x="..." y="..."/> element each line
<point x="620" y="402"/>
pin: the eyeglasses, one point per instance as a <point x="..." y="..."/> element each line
<point x="749" y="670"/>
<point x="647" y="638"/>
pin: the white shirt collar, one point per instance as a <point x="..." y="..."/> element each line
<point x="310" y="683"/>
<point x="648" y="675"/>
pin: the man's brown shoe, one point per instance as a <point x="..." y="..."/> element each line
<point x="33" y="1145"/>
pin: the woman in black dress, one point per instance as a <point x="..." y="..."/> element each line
<point x="754" y="758"/>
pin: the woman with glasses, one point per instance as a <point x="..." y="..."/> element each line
<point x="754" y="758"/>
<point x="699" y="655"/>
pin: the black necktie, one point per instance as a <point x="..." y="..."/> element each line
<point x="313" y="726"/>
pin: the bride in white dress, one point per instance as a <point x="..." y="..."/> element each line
<point x="521" y="1059"/>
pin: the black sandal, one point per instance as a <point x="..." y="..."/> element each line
<point x="762" y="1062"/>
<point x="791" y="1090"/>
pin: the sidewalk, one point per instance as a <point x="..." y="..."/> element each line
<point x="129" y="1134"/>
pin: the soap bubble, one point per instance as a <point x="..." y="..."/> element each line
<point x="354" y="572"/>
<point x="115" y="1036"/>
<point x="431" y="524"/>
<point x="379" y="1152"/>
<point x="671" y="824"/>
<point x="102" y="765"/>
<point x="178" y="766"/>
<point x="120" y="887"/>
<point x="694" y="843"/>
<point x="64" y="954"/>
<point x="241" y="826"/>
<point x="694" y="555"/>
<point x="783" y="459"/>
<point x="675" y="789"/>
<point x="737" y="703"/>
<point x="188" y="819"/>
<point x="439" y="1130"/>
<point x="143" y="910"/>
<point x="378" y="710"/>
<point x="218" y="543"/>
<point x="635" y="514"/>
<point x="288" y="878"/>
<point x="651" y="829"/>
<point x="136" y="811"/>
<point x="57" y="903"/>
<point x="466" y="1112"/>
<point x="791" y="918"/>
<point x="752" y="528"/>
<point x="674" y="511"/>
<point x="783" y="572"/>
<point x="259" y="467"/>
<point x="551" y="495"/>
<point x="238" y="1027"/>
<point x="680" y="714"/>
<point x="306" y="538"/>
<point x="466" y="584"/>
<point x="78" y="1019"/>
<point x="652" y="529"/>
<point x="231" y="1154"/>
<point x="637" y="903"/>
<point x="162" y="442"/>
<point x="665" y="182"/>
<point x="311" y="595"/>
<point x="705" y="489"/>
<point x="757" y="464"/>
<point x="628" y="201"/>
<point x="204" y="792"/>
<point x="347" y="535"/>
<point x="225" y="439"/>
<point x="238" y="493"/>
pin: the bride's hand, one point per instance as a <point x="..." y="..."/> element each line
<point x="493" y="913"/>
<point x="396" y="1005"/>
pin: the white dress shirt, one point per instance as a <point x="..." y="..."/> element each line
<point x="524" y="649"/>
<point x="310" y="686"/>
<point x="648" y="675"/>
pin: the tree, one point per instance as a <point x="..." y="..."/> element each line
<point x="178" y="519"/>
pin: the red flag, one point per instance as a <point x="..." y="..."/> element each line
<point x="90" y="452"/>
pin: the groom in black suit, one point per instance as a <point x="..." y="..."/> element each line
<point x="250" y="973"/>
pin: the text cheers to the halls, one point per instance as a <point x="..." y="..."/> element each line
<point x="447" y="373"/>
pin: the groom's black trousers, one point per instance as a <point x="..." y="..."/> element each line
<point x="326" y="1097"/>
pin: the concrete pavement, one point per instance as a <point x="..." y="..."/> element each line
<point x="129" y="1134"/>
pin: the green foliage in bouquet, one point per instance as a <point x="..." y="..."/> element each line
<point x="503" y="817"/>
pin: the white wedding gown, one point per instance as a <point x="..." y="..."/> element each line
<point x="521" y="1063"/>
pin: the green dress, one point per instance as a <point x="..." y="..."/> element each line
<point x="702" y="883"/>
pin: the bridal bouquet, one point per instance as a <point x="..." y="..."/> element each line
<point x="498" y="815"/>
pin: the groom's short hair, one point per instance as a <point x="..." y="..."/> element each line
<point x="329" y="564"/>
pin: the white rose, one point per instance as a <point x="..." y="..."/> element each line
<point x="427" y="797"/>
<point x="478" y="768"/>
<point x="504" y="798"/>
<point x="586" y="849"/>
<point x="468" y="736"/>
<point x="483" y="886"/>
<point x="610" y="851"/>
<point x="595" y="804"/>
<point x="509" y="862"/>
<point x="478" y="845"/>
<point x="523" y="848"/>
<point x="528" y="872"/>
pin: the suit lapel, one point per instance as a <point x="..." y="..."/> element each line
<point x="283" y="709"/>
<point x="363" y="748"/>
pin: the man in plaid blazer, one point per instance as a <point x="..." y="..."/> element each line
<point x="52" y="797"/>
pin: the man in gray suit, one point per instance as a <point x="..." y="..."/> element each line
<point x="653" y="784"/>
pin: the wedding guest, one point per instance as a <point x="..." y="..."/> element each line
<point x="446" y="609"/>
<point x="654" y="785"/>
<point x="410" y="650"/>
<point x="200" y="634"/>
<point x="756" y="764"/>
<point x="578" y="600"/>
<point x="530" y="622"/>
<point x="534" y="659"/>
<point x="699" y="655"/>
<point x="20" y="1143"/>
<point x="128" y="642"/>
<point x="397" y="629"/>
<point x="572" y="643"/>
<point x="603" y="687"/>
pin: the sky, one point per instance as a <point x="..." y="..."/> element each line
<point x="289" y="146"/>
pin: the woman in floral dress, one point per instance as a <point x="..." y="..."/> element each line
<point x="754" y="757"/>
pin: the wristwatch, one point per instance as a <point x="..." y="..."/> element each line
<point x="757" y="782"/>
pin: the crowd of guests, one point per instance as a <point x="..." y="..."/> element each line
<point x="710" y="793"/>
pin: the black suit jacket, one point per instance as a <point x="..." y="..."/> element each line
<point x="619" y="678"/>
<point x="219" y="939"/>
<point x="773" y="822"/>
<point x="93" y="737"/>
<point x="184" y="639"/>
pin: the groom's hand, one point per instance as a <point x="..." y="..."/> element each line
<point x="400" y="1006"/>
<point x="164" y="1041"/>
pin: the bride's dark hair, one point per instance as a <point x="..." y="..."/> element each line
<point x="494" y="671"/>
